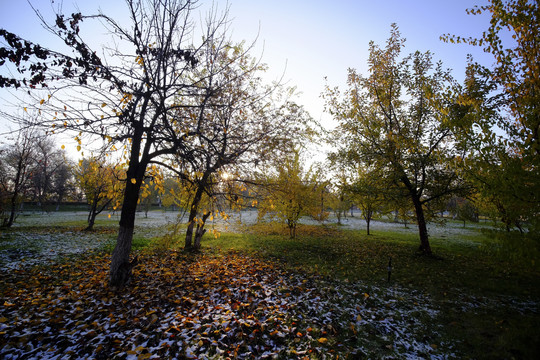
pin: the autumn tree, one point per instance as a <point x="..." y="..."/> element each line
<point x="497" y="114"/>
<point x="289" y="193"/>
<point x="394" y="120"/>
<point x="49" y="171"/>
<point x="16" y="161"/>
<point x="150" y="195"/>
<point x="147" y="95"/>
<point x="102" y="184"/>
<point x="340" y="200"/>
<point x="368" y="193"/>
<point x="463" y="209"/>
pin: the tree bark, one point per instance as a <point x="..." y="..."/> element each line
<point x="91" y="222"/>
<point x="188" y="245"/>
<point x="200" y="232"/>
<point x="13" y="210"/>
<point x="120" y="270"/>
<point x="91" y="216"/>
<point x="422" y="227"/>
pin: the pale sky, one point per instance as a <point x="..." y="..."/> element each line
<point x="311" y="40"/>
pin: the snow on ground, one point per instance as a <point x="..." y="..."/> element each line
<point x="24" y="248"/>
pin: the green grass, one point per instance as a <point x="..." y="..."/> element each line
<point x="353" y="255"/>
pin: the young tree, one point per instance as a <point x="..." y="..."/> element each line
<point x="463" y="209"/>
<point x="340" y="199"/>
<point x="394" y="120"/>
<point x="150" y="194"/>
<point x="102" y="185"/>
<point x="289" y="194"/>
<point x="148" y="94"/>
<point x="368" y="193"/>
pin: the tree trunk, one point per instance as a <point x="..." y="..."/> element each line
<point x="91" y="222"/>
<point x="15" y="195"/>
<point x="188" y="245"/>
<point x="120" y="265"/>
<point x="367" y="216"/>
<point x="422" y="227"/>
<point x="200" y="232"/>
<point x="91" y="216"/>
<point x="201" y="186"/>
<point x="13" y="210"/>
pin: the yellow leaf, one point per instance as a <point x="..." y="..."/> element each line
<point x="41" y="101"/>
<point x="323" y="340"/>
<point x="109" y="216"/>
<point x="25" y="109"/>
<point x="133" y="180"/>
<point x="63" y="147"/>
<point x="103" y="105"/>
<point x="78" y="147"/>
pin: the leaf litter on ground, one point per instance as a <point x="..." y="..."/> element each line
<point x="207" y="306"/>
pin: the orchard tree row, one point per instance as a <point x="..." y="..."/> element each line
<point x="177" y="97"/>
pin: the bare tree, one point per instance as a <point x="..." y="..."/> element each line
<point x="49" y="164"/>
<point x="63" y="184"/>
<point x="16" y="162"/>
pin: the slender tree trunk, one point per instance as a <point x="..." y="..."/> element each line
<point x="291" y="231"/>
<point x="91" y="222"/>
<point x="422" y="227"/>
<point x="15" y="195"/>
<point x="13" y="209"/>
<point x="92" y="216"/>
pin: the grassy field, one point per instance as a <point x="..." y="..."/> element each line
<point x="477" y="298"/>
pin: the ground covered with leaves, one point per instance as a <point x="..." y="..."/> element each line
<point x="207" y="306"/>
